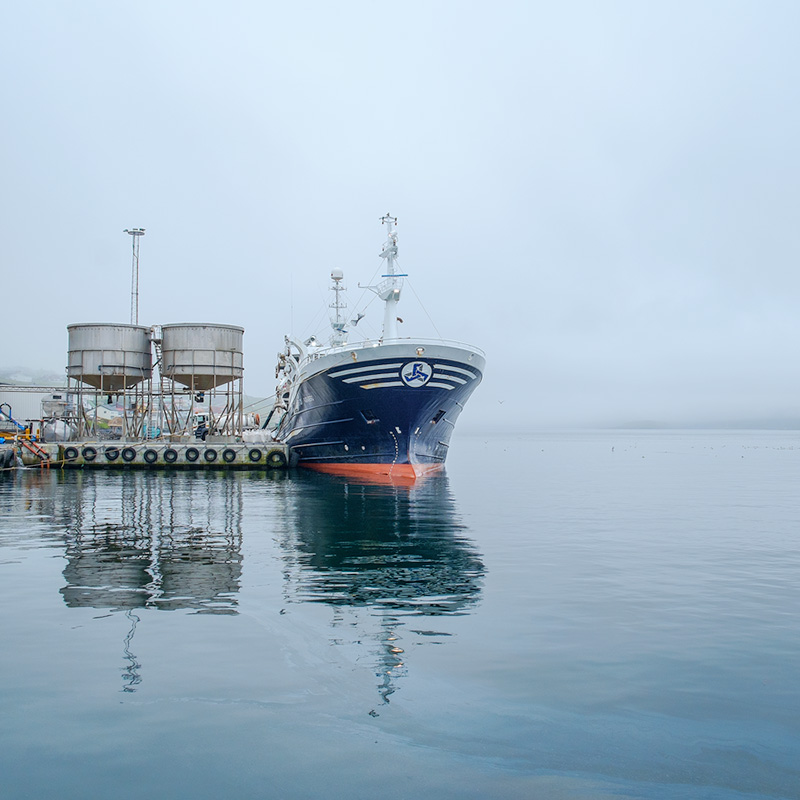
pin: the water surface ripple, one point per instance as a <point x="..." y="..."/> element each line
<point x="560" y="615"/>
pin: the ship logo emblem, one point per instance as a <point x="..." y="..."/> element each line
<point x="416" y="373"/>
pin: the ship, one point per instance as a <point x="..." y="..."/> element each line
<point x="382" y="407"/>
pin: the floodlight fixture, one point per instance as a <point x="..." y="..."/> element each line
<point x="135" y="233"/>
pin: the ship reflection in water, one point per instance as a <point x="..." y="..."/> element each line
<point x="387" y="559"/>
<point x="153" y="541"/>
<point x="395" y="552"/>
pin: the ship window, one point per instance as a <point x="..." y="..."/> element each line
<point x="439" y="414"/>
<point x="369" y="416"/>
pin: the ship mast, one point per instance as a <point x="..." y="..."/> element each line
<point x="389" y="289"/>
<point x="338" y="322"/>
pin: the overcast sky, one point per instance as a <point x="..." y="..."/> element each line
<point x="601" y="195"/>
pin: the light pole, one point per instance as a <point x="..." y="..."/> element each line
<point x="135" y="233"/>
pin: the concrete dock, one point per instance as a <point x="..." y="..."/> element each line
<point x="156" y="455"/>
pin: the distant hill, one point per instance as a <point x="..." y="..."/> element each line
<point x="766" y="423"/>
<point x="22" y="376"/>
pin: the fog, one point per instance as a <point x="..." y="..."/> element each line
<point x="602" y="196"/>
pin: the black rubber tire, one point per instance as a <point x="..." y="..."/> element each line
<point x="228" y="455"/>
<point x="170" y="455"/>
<point x="111" y="453"/>
<point x="89" y="453"/>
<point x="192" y="454"/>
<point x="71" y="453"/>
<point x="128" y="454"/>
<point x="210" y="455"/>
<point x="255" y="455"/>
<point x="151" y="456"/>
<point x="276" y="460"/>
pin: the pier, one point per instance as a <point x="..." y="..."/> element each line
<point x="153" y="455"/>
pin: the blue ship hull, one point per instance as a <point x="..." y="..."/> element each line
<point x="374" y="407"/>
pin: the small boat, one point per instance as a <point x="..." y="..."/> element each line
<point x="384" y="407"/>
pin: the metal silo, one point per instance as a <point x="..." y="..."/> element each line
<point x="109" y="357"/>
<point x="202" y="356"/>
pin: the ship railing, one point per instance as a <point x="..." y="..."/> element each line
<point x="313" y="355"/>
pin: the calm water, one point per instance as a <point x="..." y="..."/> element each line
<point x="583" y="615"/>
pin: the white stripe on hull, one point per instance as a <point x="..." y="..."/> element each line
<point x="382" y="385"/>
<point x="358" y="370"/>
<point x="455" y="369"/>
<point x="370" y="377"/>
<point x="442" y="376"/>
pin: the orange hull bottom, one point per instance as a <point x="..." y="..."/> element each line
<point x="381" y="473"/>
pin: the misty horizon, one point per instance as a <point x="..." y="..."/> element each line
<point x="602" y="198"/>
